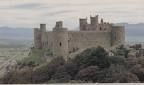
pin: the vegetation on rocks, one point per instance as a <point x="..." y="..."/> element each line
<point x="91" y="66"/>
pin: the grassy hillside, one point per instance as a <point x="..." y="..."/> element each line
<point x="14" y="43"/>
<point x="38" y="56"/>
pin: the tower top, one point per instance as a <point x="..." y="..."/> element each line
<point x="42" y="25"/>
<point x="59" y="24"/>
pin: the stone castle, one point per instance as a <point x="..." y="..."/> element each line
<point x="63" y="42"/>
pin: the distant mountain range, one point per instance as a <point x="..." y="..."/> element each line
<point x="16" y="33"/>
<point x="27" y="33"/>
<point x="134" y="32"/>
<point x="133" y="29"/>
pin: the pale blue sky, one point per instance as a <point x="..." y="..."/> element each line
<point x="29" y="13"/>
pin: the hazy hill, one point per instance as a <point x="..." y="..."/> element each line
<point x="16" y="33"/>
<point x="15" y="37"/>
<point x="134" y="32"/>
<point x="134" y="29"/>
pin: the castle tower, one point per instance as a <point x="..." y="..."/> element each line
<point x="43" y="35"/>
<point x="37" y="38"/>
<point x="60" y="40"/>
<point x="43" y="27"/>
<point x="94" y="22"/>
<point x="118" y="35"/>
<point x="83" y="24"/>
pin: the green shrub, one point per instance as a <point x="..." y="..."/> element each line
<point x="139" y="71"/>
<point x="88" y="74"/>
<point x="61" y="75"/>
<point x="91" y="57"/>
<point x="122" y="51"/>
<point x="71" y="69"/>
<point x="117" y="60"/>
<point x="45" y="72"/>
<point x="117" y="74"/>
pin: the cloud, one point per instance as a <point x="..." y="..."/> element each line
<point x="27" y="13"/>
<point x="54" y="13"/>
<point x="27" y="6"/>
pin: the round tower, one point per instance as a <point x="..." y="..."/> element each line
<point x="118" y="35"/>
<point x="37" y="38"/>
<point x="60" y="40"/>
<point x="43" y="35"/>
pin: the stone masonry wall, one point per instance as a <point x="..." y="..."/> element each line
<point x="85" y="39"/>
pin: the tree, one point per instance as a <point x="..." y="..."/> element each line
<point x="92" y="56"/>
<point x="131" y="61"/>
<point x="61" y="75"/>
<point x="122" y="51"/>
<point x="45" y="72"/>
<point x="128" y="78"/>
<point x="117" y="74"/>
<point x="88" y="74"/>
<point x="71" y="69"/>
<point x="139" y="71"/>
<point x="141" y="61"/>
<point x="117" y="60"/>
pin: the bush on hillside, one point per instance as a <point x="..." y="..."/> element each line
<point x="61" y="75"/>
<point x="122" y="51"/>
<point x="117" y="74"/>
<point x="117" y="60"/>
<point x="91" y="57"/>
<point x="88" y="74"/>
<point x="139" y="71"/>
<point x="92" y="65"/>
<point x="45" y="72"/>
<point x="71" y="69"/>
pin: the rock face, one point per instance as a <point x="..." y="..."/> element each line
<point x="64" y="42"/>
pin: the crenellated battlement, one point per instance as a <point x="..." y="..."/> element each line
<point x="94" y="25"/>
<point x="59" y="26"/>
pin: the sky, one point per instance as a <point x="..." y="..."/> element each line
<point x="30" y="13"/>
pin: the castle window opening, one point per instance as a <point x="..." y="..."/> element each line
<point x="100" y="28"/>
<point x="60" y="44"/>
